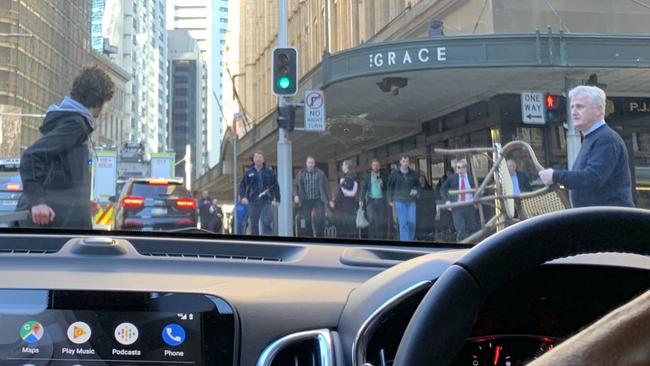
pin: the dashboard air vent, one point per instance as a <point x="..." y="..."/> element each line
<point x="27" y="251"/>
<point x="213" y="256"/>
<point x="218" y="250"/>
<point x="309" y="348"/>
<point x="22" y="244"/>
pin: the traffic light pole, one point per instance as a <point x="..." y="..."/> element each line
<point x="573" y="142"/>
<point x="285" y="158"/>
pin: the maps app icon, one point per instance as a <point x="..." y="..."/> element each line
<point x="32" y="331"/>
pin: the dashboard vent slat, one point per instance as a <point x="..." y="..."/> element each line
<point x="27" y="251"/>
<point x="213" y="256"/>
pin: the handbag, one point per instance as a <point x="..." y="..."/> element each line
<point x="362" y="222"/>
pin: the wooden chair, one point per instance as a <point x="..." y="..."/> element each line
<point x="528" y="204"/>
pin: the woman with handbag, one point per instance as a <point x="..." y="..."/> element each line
<point x="346" y="202"/>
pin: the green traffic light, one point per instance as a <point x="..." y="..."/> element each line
<point x="284" y="82"/>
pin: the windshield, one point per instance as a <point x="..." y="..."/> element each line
<point x="159" y="191"/>
<point x="384" y="122"/>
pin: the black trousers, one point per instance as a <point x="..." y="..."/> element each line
<point x="319" y="222"/>
<point x="464" y="218"/>
<point x="260" y="214"/>
<point x="376" y="214"/>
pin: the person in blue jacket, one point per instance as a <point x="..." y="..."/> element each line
<point x="259" y="189"/>
<point x="600" y="175"/>
<point x="241" y="210"/>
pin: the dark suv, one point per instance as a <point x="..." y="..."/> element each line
<point x="149" y="204"/>
<point x="11" y="186"/>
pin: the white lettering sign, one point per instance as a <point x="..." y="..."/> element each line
<point x="532" y="108"/>
<point x="315" y="110"/>
<point x="442" y="54"/>
<point x="170" y="353"/>
<point x="126" y="352"/>
<point x="379" y="60"/>
<point x="407" y="58"/>
<point x="391" y="58"/>
<point x="421" y="56"/>
<point x="30" y="350"/>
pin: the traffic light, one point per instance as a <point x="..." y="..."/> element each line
<point x="285" y="71"/>
<point x="287" y="117"/>
<point x="554" y="108"/>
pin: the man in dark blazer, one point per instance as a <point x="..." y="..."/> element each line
<point x="520" y="181"/>
<point x="464" y="217"/>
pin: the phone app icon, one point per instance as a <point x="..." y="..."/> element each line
<point x="126" y="333"/>
<point x="79" y="332"/>
<point x="31" y="331"/>
<point x="173" y="334"/>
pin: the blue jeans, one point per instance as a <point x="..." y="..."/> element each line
<point x="241" y="226"/>
<point x="406" y="219"/>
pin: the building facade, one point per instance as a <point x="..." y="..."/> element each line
<point x="43" y="46"/>
<point x="207" y="22"/>
<point x="136" y="29"/>
<point x="232" y="105"/>
<point x="114" y="123"/>
<point x="187" y="99"/>
<point x="96" y="20"/>
<point x="315" y="26"/>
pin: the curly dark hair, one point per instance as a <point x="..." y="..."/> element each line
<point x="92" y="87"/>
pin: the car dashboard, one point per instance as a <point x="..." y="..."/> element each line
<point x="272" y="302"/>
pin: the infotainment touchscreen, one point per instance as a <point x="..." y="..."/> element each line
<point x="46" y="327"/>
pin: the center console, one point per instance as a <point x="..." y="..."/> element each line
<point x="57" y="327"/>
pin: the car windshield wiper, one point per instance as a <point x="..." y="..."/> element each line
<point x="193" y="230"/>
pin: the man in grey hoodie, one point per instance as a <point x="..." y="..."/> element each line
<point x="55" y="169"/>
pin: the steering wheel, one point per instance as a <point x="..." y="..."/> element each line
<point x="445" y="317"/>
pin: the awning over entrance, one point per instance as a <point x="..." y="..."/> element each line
<point x="378" y="93"/>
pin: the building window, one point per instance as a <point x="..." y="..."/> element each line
<point x="222" y="31"/>
<point x="225" y="10"/>
<point x="224" y="20"/>
<point x="642" y="142"/>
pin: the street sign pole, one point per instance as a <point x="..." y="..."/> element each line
<point x="573" y="142"/>
<point x="284" y="158"/>
<point x="234" y="178"/>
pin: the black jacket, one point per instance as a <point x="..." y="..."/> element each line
<point x="300" y="190"/>
<point x="55" y="170"/>
<point x="451" y="184"/>
<point x="524" y="183"/>
<point x="204" y="205"/>
<point x="250" y="189"/>
<point x="400" y="186"/>
<point x="365" y="186"/>
<point x="216" y="219"/>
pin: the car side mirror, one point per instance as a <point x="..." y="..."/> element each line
<point x="112" y="199"/>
